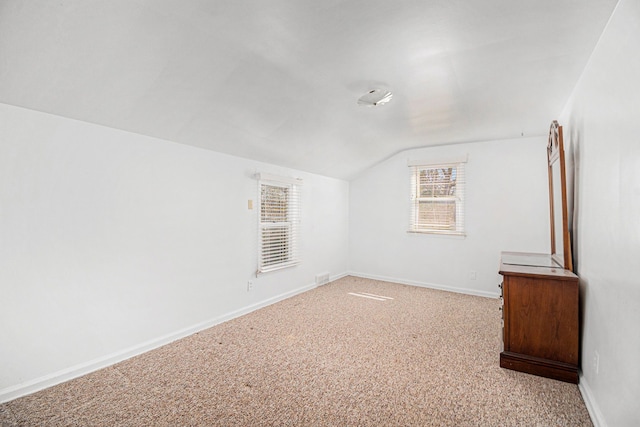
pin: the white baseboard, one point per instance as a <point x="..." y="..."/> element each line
<point x="49" y="380"/>
<point x="338" y="276"/>
<point x="40" y="383"/>
<point x="590" y="403"/>
<point x="466" y="291"/>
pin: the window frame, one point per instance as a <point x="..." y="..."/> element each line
<point x="415" y="226"/>
<point x="278" y="240"/>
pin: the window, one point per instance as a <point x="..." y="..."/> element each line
<point x="279" y="222"/>
<point x="437" y="198"/>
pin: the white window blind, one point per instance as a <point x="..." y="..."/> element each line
<point x="279" y="210"/>
<point x="437" y="198"/>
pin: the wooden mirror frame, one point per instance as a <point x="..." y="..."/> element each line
<point x="558" y="192"/>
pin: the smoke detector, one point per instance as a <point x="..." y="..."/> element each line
<point x="375" y="97"/>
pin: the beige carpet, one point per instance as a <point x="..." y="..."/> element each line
<point x="322" y="358"/>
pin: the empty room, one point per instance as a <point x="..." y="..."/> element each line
<point x="319" y="213"/>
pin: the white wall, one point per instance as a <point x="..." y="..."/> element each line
<point x="602" y="131"/>
<point x="113" y="243"/>
<point x="506" y="210"/>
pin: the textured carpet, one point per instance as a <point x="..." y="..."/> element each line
<point x="322" y="358"/>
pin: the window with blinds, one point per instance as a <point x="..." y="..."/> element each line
<point x="279" y="207"/>
<point x="437" y="198"/>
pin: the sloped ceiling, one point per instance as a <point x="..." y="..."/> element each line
<point x="278" y="80"/>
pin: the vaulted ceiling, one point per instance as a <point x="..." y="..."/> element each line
<point x="278" y="80"/>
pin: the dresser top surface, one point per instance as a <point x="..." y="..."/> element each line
<point x="533" y="264"/>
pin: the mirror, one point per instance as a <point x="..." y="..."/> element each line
<point x="560" y="239"/>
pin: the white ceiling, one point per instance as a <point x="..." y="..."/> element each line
<point x="278" y="80"/>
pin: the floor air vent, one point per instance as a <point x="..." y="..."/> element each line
<point x="322" y="278"/>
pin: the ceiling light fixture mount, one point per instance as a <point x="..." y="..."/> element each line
<point x="375" y="97"/>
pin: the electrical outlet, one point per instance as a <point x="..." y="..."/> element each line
<point x="249" y="285"/>
<point x="473" y="275"/>
<point x="596" y="362"/>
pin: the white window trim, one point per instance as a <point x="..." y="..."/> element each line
<point x="460" y="164"/>
<point x="293" y="224"/>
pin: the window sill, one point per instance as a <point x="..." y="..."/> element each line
<point x="454" y="234"/>
<point x="277" y="267"/>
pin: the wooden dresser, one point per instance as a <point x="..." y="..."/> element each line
<point x="540" y="315"/>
